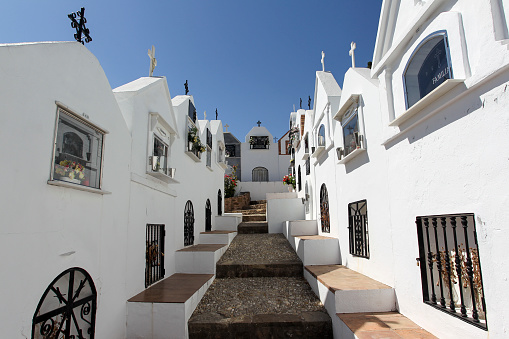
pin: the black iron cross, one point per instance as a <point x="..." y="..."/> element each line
<point x="309" y="102"/>
<point x="301" y="103"/>
<point x="259" y="123"/>
<point x="187" y="87"/>
<point x="216" y="113"/>
<point x="80" y="26"/>
<point x="275" y="139"/>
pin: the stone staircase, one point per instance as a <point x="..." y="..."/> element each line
<point x="259" y="290"/>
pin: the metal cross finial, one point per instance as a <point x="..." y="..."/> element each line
<point x="353" y="46"/>
<point x="226" y="127"/>
<point x="309" y="102"/>
<point x="204" y="115"/>
<point x="153" y="61"/>
<point x="300" y="103"/>
<point x="80" y="26"/>
<point x="186" y="85"/>
<point x="259" y="123"/>
<point x="216" y="113"/>
<point x="323" y="62"/>
<point x="275" y="139"/>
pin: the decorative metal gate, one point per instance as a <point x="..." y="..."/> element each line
<point x="208" y="216"/>
<point x="189" y="224"/>
<point x="324" y="209"/>
<point x="299" y="180"/>
<point x="358" y="228"/>
<point x="154" y="254"/>
<point x="67" y="307"/>
<point x="219" y="203"/>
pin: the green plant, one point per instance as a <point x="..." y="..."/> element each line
<point x="289" y="180"/>
<point x="192" y="137"/>
<point x="230" y="182"/>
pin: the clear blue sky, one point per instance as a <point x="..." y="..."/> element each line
<point x="252" y="60"/>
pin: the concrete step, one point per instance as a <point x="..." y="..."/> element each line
<point x="253" y="211"/>
<point x="316" y="249"/>
<point x="217" y="237"/>
<point x="253" y="227"/>
<point x="199" y="258"/>
<point x="258" y="202"/>
<point x="228" y="221"/>
<point x="232" y="269"/>
<point x="254" y="217"/>
<point x="166" y="306"/>
<point x="300" y="227"/>
<point x="379" y="325"/>
<point x="260" y="308"/>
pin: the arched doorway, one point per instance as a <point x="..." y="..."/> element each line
<point x="208" y="216"/>
<point x="189" y="224"/>
<point x="219" y="203"/>
<point x="324" y="209"/>
<point x="67" y="307"/>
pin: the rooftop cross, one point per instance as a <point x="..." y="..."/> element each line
<point x="216" y="113"/>
<point x="153" y="61"/>
<point x="309" y="102"/>
<point x="226" y="127"/>
<point x="204" y="115"/>
<point x="275" y="139"/>
<point x="259" y="123"/>
<point x="300" y="103"/>
<point x="353" y="46"/>
<point x="186" y="85"/>
<point x="323" y="63"/>
<point x="80" y="26"/>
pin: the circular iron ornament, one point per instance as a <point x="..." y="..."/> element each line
<point x="55" y="316"/>
<point x="189" y="224"/>
<point x="324" y="209"/>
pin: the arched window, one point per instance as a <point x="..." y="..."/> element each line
<point x="324" y="209"/>
<point x="208" y="216"/>
<point x="219" y="203"/>
<point x="428" y="68"/>
<point x="61" y="314"/>
<point x="189" y="224"/>
<point x="260" y="174"/>
<point x="72" y="144"/>
<point x="299" y="181"/>
<point x="321" y="136"/>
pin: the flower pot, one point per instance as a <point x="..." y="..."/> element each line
<point x="189" y="146"/>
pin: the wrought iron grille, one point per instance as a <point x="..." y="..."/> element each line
<point x="324" y="209"/>
<point x="219" y="203"/>
<point x="192" y="111"/>
<point x="230" y="151"/>
<point x="308" y="166"/>
<point x="306" y="145"/>
<point x="259" y="142"/>
<point x="154" y="254"/>
<point x="189" y="224"/>
<point x="67" y="308"/>
<point x="209" y="138"/>
<point x="299" y="180"/>
<point x="208" y="216"/>
<point x="450" y="266"/>
<point x="358" y="228"/>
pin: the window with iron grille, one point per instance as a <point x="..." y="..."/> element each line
<point x="451" y="267"/>
<point x="209" y="138"/>
<point x="308" y="166"/>
<point x="189" y="224"/>
<point x="219" y="203"/>
<point x="260" y="174"/>
<point x="299" y="180"/>
<point x="154" y="254"/>
<point x="358" y="228"/>
<point x="324" y="209"/>
<point x="208" y="216"/>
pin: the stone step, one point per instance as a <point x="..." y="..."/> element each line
<point x="253" y="211"/>
<point x="228" y="221"/>
<point x="380" y="325"/>
<point x="254" y="217"/>
<point x="258" y="202"/>
<point x="257" y="207"/>
<point x="217" y="237"/>
<point x="253" y="227"/>
<point x="232" y="269"/>
<point x="200" y="258"/>
<point x="260" y="308"/>
<point x="166" y="306"/>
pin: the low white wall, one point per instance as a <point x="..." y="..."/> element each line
<point x="282" y="207"/>
<point x="259" y="190"/>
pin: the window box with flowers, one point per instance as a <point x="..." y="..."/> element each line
<point x="194" y="146"/>
<point x="290" y="181"/>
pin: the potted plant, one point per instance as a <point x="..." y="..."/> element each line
<point x="289" y="180"/>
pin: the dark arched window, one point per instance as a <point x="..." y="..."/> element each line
<point x="67" y="307"/>
<point x="219" y="203"/>
<point x="299" y="181"/>
<point x="321" y="136"/>
<point x="208" y="216"/>
<point x="324" y="209"/>
<point x="72" y="144"/>
<point x="260" y="174"/>
<point x="189" y="224"/>
<point x="428" y="68"/>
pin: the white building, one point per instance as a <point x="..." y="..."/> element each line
<point x="402" y="149"/>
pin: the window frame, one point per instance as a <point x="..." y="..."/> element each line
<point x="351" y="108"/>
<point x="352" y="232"/>
<point x="159" y="129"/>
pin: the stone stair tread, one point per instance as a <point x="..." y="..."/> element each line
<point x="313" y="237"/>
<point x="177" y="288"/>
<point x="383" y="325"/>
<point x="202" y="248"/>
<point x="218" y="232"/>
<point x="339" y="277"/>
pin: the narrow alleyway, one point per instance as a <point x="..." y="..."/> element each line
<point x="259" y="291"/>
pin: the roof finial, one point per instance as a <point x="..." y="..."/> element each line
<point x="259" y="123"/>
<point x="153" y="61"/>
<point x="353" y="46"/>
<point x="323" y="63"/>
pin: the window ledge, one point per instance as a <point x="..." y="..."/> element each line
<point x="424" y="102"/>
<point x="318" y="151"/>
<point x="352" y="155"/>
<point x="209" y="168"/>
<point x="222" y="165"/>
<point x="163" y="177"/>
<point x="353" y="98"/>
<point x="305" y="156"/>
<point x="193" y="156"/>
<point x="77" y="187"/>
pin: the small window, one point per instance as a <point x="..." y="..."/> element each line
<point x="230" y="151"/>
<point x="358" y="228"/>
<point x="160" y="156"/>
<point x="427" y="69"/>
<point x="154" y="254"/>
<point x="351" y="135"/>
<point x="321" y="136"/>
<point x="260" y="174"/>
<point x="78" y="152"/>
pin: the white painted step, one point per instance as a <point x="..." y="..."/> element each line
<point x="217" y="237"/>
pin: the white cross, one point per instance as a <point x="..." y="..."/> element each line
<point x="323" y="64"/>
<point x="226" y="127"/>
<point x="153" y="61"/>
<point x="204" y="115"/>
<point x="352" y="54"/>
